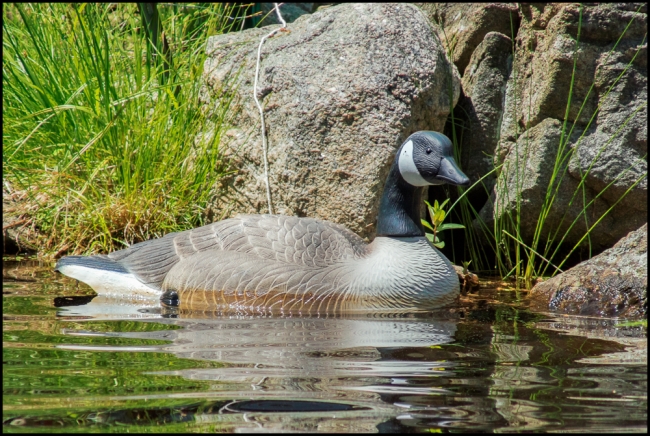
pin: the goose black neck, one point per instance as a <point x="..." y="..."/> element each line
<point x="399" y="209"/>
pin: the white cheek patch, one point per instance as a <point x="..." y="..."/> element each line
<point x="407" y="167"/>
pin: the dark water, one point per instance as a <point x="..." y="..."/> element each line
<point x="74" y="363"/>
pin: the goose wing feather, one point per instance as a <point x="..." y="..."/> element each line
<point x="227" y="278"/>
<point x="287" y="240"/>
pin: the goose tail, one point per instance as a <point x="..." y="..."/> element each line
<point x="106" y="276"/>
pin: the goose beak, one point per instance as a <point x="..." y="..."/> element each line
<point x="450" y="173"/>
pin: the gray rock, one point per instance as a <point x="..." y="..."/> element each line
<point x="613" y="150"/>
<point x="544" y="62"/>
<point x="482" y="100"/>
<point x="613" y="283"/>
<point x="17" y="235"/>
<point x="464" y="25"/>
<point x="527" y="175"/>
<point x="606" y="122"/>
<point x="10" y="237"/>
<point x="341" y="90"/>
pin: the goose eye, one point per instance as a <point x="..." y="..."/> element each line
<point x="428" y="150"/>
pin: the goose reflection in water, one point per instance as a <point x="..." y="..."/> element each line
<point x="331" y="365"/>
<point x="253" y="346"/>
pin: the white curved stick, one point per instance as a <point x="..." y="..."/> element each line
<point x="259" y="106"/>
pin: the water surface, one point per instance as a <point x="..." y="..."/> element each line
<point x="78" y="363"/>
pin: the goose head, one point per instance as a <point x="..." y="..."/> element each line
<point x="425" y="158"/>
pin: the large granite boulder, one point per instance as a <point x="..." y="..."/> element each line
<point x="341" y="90"/>
<point x="605" y="138"/>
<point x="613" y="283"/>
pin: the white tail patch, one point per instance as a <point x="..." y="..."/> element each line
<point x="407" y="167"/>
<point x="111" y="283"/>
<point x="109" y="308"/>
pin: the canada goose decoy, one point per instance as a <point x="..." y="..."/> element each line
<point x="289" y="264"/>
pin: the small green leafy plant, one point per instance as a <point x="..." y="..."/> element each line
<point x="438" y="214"/>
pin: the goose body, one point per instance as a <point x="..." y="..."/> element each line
<point x="292" y="264"/>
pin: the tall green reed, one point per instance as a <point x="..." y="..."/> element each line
<point x="103" y="140"/>
<point x="474" y="247"/>
<point x="548" y="251"/>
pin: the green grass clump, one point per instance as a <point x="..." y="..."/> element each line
<point x="102" y="121"/>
